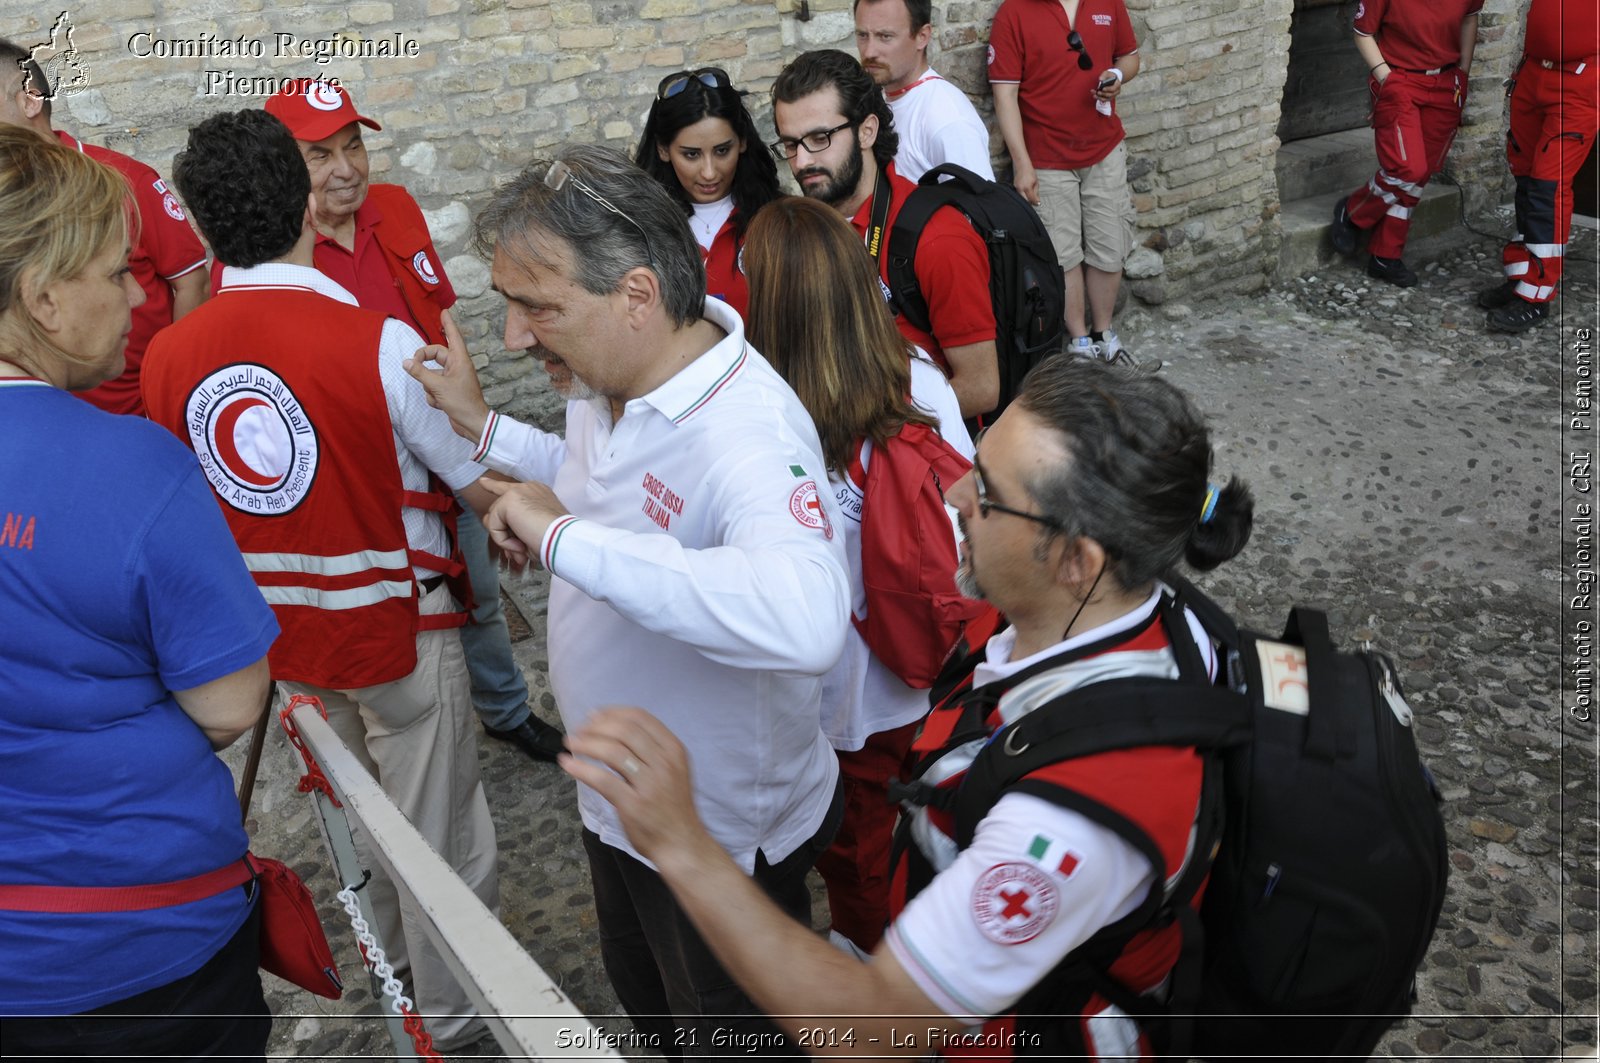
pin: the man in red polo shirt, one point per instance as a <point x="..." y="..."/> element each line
<point x="838" y="134"/>
<point x="1056" y="67"/>
<point x="374" y="241"/>
<point x="167" y="259"/>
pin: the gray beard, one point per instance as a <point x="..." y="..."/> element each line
<point x="967" y="582"/>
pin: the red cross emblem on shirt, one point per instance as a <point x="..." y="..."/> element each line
<point x="1016" y="904"/>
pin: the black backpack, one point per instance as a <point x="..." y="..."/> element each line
<point x="1330" y="858"/>
<point x="1026" y="288"/>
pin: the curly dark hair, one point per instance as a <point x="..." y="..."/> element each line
<point x="246" y="185"/>
<point x="859" y="96"/>
<point x="755" y="181"/>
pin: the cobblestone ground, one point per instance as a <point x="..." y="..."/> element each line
<point x="1408" y="469"/>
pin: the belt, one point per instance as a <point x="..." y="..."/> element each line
<point x="1435" y="70"/>
<point x="429" y="585"/>
<point x="1577" y="66"/>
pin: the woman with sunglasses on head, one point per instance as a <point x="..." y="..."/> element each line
<point x="135" y="647"/>
<point x="702" y="145"/>
<point x="816" y="314"/>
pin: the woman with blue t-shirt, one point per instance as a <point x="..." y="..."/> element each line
<point x="135" y="648"/>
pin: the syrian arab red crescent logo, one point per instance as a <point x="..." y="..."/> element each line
<point x="424" y="268"/>
<point x="323" y="96"/>
<point x="255" y="442"/>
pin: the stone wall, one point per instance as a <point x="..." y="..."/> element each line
<point x="484" y="85"/>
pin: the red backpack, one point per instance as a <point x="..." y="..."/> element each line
<point x="908" y="555"/>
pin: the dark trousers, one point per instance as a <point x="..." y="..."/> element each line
<point x="669" y="982"/>
<point x="216" y="1012"/>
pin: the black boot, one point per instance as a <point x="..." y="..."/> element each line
<point x="1517" y="316"/>
<point x="1392" y="270"/>
<point x="1500" y="295"/>
<point x="1343" y="232"/>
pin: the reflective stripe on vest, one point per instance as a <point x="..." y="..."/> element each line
<point x="355" y="598"/>
<point x="327" y="565"/>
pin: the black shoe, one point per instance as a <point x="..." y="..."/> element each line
<point x="1519" y="316"/>
<point x="534" y="737"/>
<point x="1500" y="295"/>
<point x="1343" y="232"/>
<point x="1392" y="270"/>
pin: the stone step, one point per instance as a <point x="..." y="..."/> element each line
<point x="1305" y="244"/>
<point x="1325" y="165"/>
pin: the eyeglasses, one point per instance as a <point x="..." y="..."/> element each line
<point x="789" y="147"/>
<point x="985" y="504"/>
<point x="560" y="175"/>
<point x="712" y="77"/>
<point x="1075" y="42"/>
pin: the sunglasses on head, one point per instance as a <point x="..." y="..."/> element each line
<point x="1075" y="42"/>
<point x="711" y="77"/>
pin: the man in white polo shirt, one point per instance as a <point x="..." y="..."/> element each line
<point x="696" y="564"/>
<point x="936" y="121"/>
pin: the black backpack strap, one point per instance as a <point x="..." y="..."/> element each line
<point x="1116" y="714"/>
<point x="906" y="291"/>
<point x="1330" y="733"/>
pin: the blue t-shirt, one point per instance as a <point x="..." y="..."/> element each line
<point x="119" y="582"/>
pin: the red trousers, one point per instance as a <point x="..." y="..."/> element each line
<point x="856" y="866"/>
<point x="1414" y="121"/>
<point x="1554" y="119"/>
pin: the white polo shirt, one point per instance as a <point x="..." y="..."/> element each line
<point x="702" y="576"/>
<point x="937" y="124"/>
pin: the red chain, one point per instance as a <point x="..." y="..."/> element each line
<point x="313" y="779"/>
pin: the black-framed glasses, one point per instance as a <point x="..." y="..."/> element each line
<point x="815" y="141"/>
<point x="1075" y="42"/>
<point x="712" y="77"/>
<point x="985" y="503"/>
<point x="560" y="175"/>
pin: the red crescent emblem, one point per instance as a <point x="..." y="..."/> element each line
<point x="228" y="450"/>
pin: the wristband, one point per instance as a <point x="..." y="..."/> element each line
<point x="1383" y="62"/>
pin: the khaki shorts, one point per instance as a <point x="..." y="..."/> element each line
<point x="1088" y="212"/>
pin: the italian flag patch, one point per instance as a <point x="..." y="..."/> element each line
<point x="1053" y="855"/>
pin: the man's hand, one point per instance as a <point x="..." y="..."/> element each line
<point x="1026" y="182"/>
<point x="643" y="771"/>
<point x="1108" y="86"/>
<point x="518" y="521"/>
<point x="453" y="387"/>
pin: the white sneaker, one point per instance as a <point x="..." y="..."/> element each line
<point x="1082" y="347"/>
<point x="1111" y="349"/>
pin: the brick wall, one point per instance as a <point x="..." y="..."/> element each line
<point x="495" y="82"/>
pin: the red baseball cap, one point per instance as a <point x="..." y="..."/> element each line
<point x="314" y="109"/>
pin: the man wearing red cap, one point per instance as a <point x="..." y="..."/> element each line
<point x="167" y="258"/>
<point x="374" y="241"/>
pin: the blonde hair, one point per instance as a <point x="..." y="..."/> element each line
<point x="817" y="313"/>
<point x="58" y="210"/>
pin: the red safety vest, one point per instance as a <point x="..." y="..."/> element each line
<point x="412" y="259"/>
<point x="276" y="389"/>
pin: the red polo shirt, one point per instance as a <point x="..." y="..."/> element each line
<point x="165" y="250"/>
<point x="952" y="269"/>
<point x="1028" y="48"/>
<point x="1416" y="34"/>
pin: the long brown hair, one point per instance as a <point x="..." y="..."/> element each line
<point x="817" y="313"/>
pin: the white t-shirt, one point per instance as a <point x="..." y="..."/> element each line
<point x="860" y="696"/>
<point x="701" y="575"/>
<point x="1038" y="879"/>
<point x="707" y="219"/>
<point x="938" y="124"/>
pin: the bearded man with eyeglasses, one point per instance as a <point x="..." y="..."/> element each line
<point x="1057" y="68"/>
<point x="838" y="134"/>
